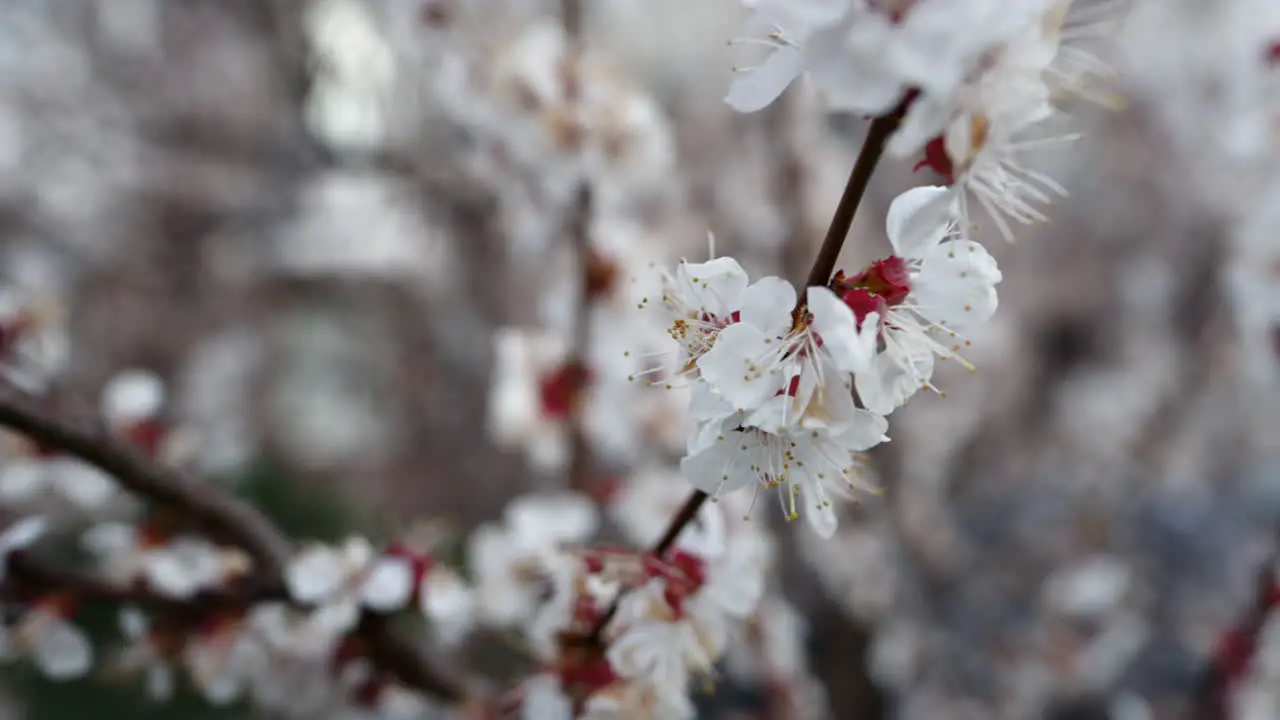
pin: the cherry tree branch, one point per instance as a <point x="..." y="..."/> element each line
<point x="819" y="274"/>
<point x="579" y="230"/>
<point x="84" y="435"/>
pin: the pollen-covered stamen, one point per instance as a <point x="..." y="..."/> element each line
<point x="561" y="389"/>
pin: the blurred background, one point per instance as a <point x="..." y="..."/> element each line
<point x="310" y="219"/>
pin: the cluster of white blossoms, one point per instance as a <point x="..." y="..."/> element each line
<point x="974" y="78"/>
<point x="774" y="380"/>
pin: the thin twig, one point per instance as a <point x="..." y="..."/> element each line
<point x="571" y="16"/>
<point x="859" y="178"/>
<point x="579" y="231"/>
<point x="580" y="236"/>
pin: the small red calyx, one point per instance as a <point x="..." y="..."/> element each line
<point x="937" y="160"/>
<point x="684" y="574"/>
<point x="888" y="278"/>
<point x="435" y="14"/>
<point x="13" y="331"/>
<point x="602" y="274"/>
<point x="420" y="563"/>
<point x="561" y="389"/>
<point x="862" y="303"/>
<point x="369" y="693"/>
<point x="895" y="10"/>
<point x="346" y="651"/>
<point x="793" y="387"/>
<point x="61" y="605"/>
<point x="883" y="283"/>
<point x="1234" y="654"/>
<point x="584" y="672"/>
<point x="147" y="435"/>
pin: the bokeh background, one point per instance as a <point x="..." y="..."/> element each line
<point x="277" y="206"/>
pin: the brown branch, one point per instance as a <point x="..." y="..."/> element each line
<point x="571" y="16"/>
<point x="85" y="435"/>
<point x="580" y="236"/>
<point x="579" y="230"/>
<point x="859" y="178"/>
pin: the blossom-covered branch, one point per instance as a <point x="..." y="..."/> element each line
<point x="83" y="434"/>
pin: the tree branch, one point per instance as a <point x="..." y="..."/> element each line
<point x="84" y="435"/>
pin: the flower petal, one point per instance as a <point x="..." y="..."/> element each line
<point x="388" y="585"/>
<point x="919" y="219"/>
<point x="735" y="367"/>
<point x="767" y="304"/>
<point x="62" y="651"/>
<point x="756" y="88"/>
<point x="849" y="349"/>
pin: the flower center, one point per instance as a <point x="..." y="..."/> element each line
<point x="883" y="283"/>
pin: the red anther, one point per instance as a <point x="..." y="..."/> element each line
<point x="594" y="564"/>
